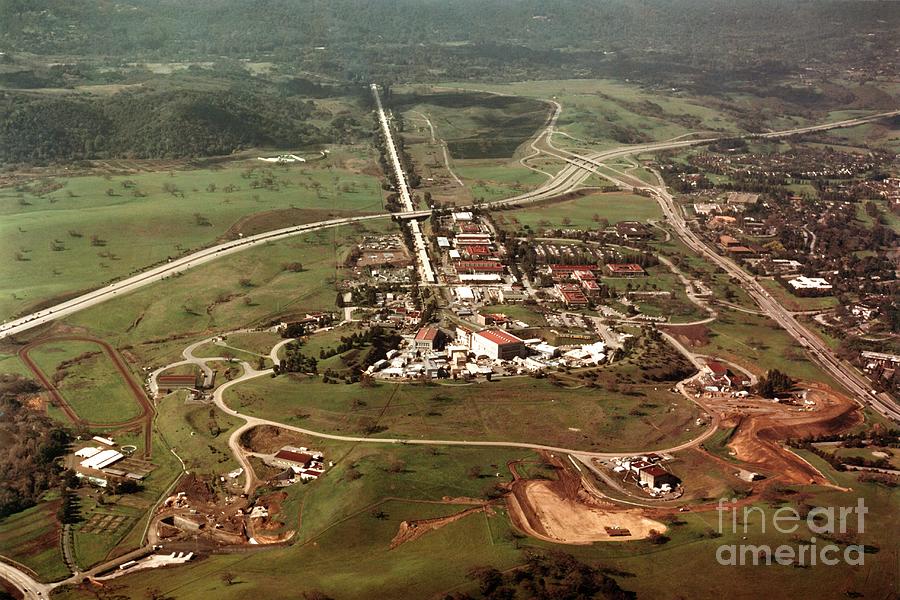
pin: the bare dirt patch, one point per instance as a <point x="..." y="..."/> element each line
<point x="692" y="336"/>
<point x="761" y="427"/>
<point x="564" y="511"/>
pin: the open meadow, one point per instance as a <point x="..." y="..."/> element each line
<point x="244" y="289"/>
<point x="515" y="409"/>
<point x="62" y="235"/>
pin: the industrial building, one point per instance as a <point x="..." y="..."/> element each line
<point x="497" y="344"/>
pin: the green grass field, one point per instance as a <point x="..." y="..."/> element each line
<point x="489" y="181"/>
<point x="92" y="385"/>
<point x="135" y="232"/>
<point x="797" y="303"/>
<point x="581" y="213"/>
<point x="516" y="409"/>
<point x="346" y="524"/>
<point x="198" y="434"/>
<point x="31" y="537"/>
<point x="604" y="113"/>
<point x="758" y="342"/>
<point x="475" y="125"/>
<point x="211" y="298"/>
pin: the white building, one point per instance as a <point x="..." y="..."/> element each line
<point x="801" y="282"/>
<point x="497" y="344"/>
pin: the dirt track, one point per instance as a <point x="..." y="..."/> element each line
<point x="146" y="416"/>
<point x="413" y="530"/>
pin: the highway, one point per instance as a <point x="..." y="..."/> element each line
<point x="817" y="349"/>
<point x="169" y="269"/>
<point x="565" y="181"/>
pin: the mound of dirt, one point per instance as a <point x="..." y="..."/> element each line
<point x="413" y="530"/>
<point x="268" y="438"/>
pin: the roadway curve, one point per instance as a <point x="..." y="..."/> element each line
<point x="565" y="181"/>
<point x="251" y="422"/>
<point x="24" y="582"/>
<point x="817" y="349"/>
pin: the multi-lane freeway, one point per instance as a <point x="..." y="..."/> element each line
<point x="821" y="353"/>
<point x="573" y="174"/>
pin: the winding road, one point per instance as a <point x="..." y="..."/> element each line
<point x="566" y="180"/>
<point x="576" y="171"/>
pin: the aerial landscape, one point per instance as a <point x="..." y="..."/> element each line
<point x="458" y="300"/>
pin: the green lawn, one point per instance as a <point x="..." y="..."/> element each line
<point x="582" y="213"/>
<point x="31" y="537"/>
<point x="136" y="232"/>
<point x="92" y="386"/>
<point x="517" y="409"/>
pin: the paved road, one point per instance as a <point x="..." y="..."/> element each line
<point x="565" y="181"/>
<point x="857" y="384"/>
<point x="23" y="582"/>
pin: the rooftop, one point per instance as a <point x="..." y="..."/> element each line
<point x="499" y="337"/>
<point x="427" y="334"/>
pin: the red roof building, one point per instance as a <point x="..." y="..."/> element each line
<point x="296" y="458"/>
<point x="479" y="266"/>
<point x="497" y="344"/>
<point x="476" y="250"/>
<point x="625" y="269"/>
<point x="571" y="294"/>
<point x="427" y="338"/>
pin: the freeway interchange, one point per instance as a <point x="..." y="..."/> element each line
<point x="577" y="169"/>
<point x="572" y="175"/>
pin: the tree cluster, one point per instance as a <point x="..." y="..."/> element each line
<point x="31" y="445"/>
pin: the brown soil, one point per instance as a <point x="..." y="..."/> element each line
<point x="564" y="511"/>
<point x="762" y="427"/>
<point x="196" y="490"/>
<point x="413" y="530"/>
<point x="692" y="336"/>
<point x="273" y="502"/>
<point x="266" y="439"/>
<point x="35" y="403"/>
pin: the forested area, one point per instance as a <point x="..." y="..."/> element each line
<point x="29" y="446"/>
<point x="677" y="42"/>
<point x="159" y="124"/>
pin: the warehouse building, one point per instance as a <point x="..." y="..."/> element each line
<point x="497" y="344"/>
